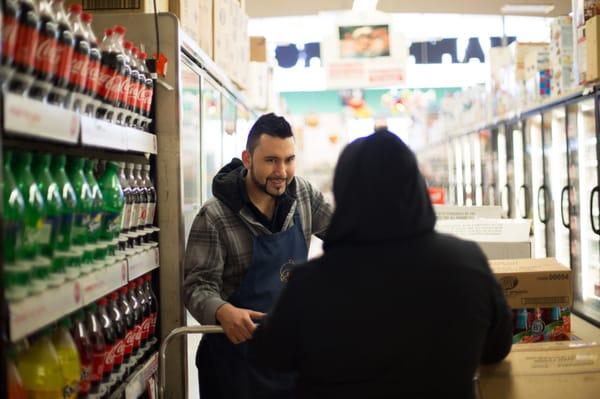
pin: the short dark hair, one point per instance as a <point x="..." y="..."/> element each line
<point x="269" y="124"/>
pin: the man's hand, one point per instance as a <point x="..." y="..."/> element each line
<point x="237" y="323"/>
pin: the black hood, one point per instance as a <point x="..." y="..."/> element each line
<point x="226" y="187"/>
<point x="379" y="192"/>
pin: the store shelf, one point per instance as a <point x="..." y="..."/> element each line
<point x="142" y="263"/>
<point x="37" y="311"/>
<point x="33" y="119"/>
<point x="101" y="282"/>
<point x="136" y="385"/>
<point x="98" y="133"/>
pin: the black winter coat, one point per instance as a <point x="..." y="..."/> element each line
<point x="392" y="309"/>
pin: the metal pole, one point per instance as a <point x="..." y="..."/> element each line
<point x="173" y="334"/>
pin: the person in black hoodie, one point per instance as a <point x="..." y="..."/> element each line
<point x="392" y="309"/>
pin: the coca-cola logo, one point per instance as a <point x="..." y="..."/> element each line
<point x="78" y="66"/>
<point x="93" y="72"/>
<point x="130" y="338"/>
<point x="145" y="94"/>
<point x="46" y="50"/>
<point x="9" y="32"/>
<point x="120" y="349"/>
<point x="105" y="75"/>
<point x="113" y="83"/>
<point x="138" y="333"/>
<point x="109" y="359"/>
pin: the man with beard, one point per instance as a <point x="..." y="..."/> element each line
<point x="240" y="250"/>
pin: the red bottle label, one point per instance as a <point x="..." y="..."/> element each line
<point x="119" y="352"/>
<point x="97" y="366"/>
<point x="9" y="36"/>
<point x="124" y="91"/>
<point x="27" y="42"/>
<point x="62" y="61"/>
<point x="109" y="358"/>
<point x="79" y="70"/>
<point x="93" y="76"/>
<point x="85" y="382"/>
<point x="149" y="100"/>
<point x="45" y="55"/>
<point x="146" y="327"/>
<point x="144" y="94"/>
<point x="154" y="317"/>
<point x="129" y="341"/>
<point x="134" y="89"/>
<point x="138" y="336"/>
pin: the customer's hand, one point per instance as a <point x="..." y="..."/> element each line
<point x="237" y="323"/>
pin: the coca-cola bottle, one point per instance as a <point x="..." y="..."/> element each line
<point x="127" y="312"/>
<point x="143" y="195"/>
<point x="28" y="35"/>
<point x="129" y="200"/>
<point x="121" y="358"/>
<point x="134" y="87"/>
<point x="135" y="194"/>
<point x="10" y="26"/>
<point x="153" y="302"/>
<point x="123" y="102"/>
<point x="45" y="53"/>
<point x="111" y="340"/>
<point x="93" y="75"/>
<point x="86" y="353"/>
<point x="138" y="318"/>
<point x="146" y="100"/>
<point x="146" y="313"/>
<point x="94" y="329"/>
<point x="109" y="84"/>
<point x="151" y="208"/>
<point x="81" y="60"/>
<point x="64" y="55"/>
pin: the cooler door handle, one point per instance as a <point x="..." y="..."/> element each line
<point x="508" y="205"/>
<point x="592" y="195"/>
<point x="542" y="191"/>
<point x="524" y="190"/>
<point x="563" y="193"/>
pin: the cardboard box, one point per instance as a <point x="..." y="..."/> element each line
<point x="127" y="6"/>
<point x="541" y="325"/>
<point x="487" y="230"/>
<point x="260" y="85"/>
<point x="205" y="40"/>
<point x="534" y="283"/>
<point x="258" y="49"/>
<point x="558" y="370"/>
<point x="592" y="43"/>
<point x="505" y="250"/>
<point x="519" y="52"/>
<point x="188" y="12"/>
<point x="449" y="212"/>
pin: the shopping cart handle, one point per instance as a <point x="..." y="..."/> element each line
<point x="175" y="333"/>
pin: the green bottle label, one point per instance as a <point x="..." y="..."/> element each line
<point x="95" y="223"/>
<point x="12" y="239"/>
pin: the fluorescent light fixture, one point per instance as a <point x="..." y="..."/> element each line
<point x="364" y="5"/>
<point x="526" y="8"/>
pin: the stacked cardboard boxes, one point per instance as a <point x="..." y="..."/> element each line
<point x="561" y="54"/>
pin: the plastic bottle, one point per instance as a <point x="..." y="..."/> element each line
<point x="45" y="53"/>
<point x="34" y="230"/>
<point x="114" y="202"/>
<point x="146" y="312"/>
<point x="151" y="194"/>
<point x="40" y="368"/>
<point x="138" y="317"/>
<point x="81" y="57"/>
<point x="96" y="336"/>
<point x="119" y="38"/>
<point x="64" y="55"/>
<point x="10" y="17"/>
<point x="54" y="207"/>
<point x="17" y="274"/>
<point x="85" y="350"/>
<point x="97" y="213"/>
<point x="85" y="204"/>
<point x="135" y="192"/>
<point x="93" y="75"/>
<point x="65" y="249"/>
<point x="109" y="81"/>
<point x="120" y="332"/>
<point x="134" y="88"/>
<point x="129" y="200"/>
<point x="16" y="389"/>
<point x="143" y="197"/>
<point x="148" y="93"/>
<point x="127" y="312"/>
<point x="68" y="357"/>
<point x="151" y="297"/>
<point x="27" y="38"/>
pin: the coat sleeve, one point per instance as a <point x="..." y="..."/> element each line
<point x="499" y="338"/>
<point x="321" y="212"/>
<point x="203" y="270"/>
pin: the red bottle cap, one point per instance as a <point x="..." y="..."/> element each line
<point x="139" y="281"/>
<point x="75" y="9"/>
<point x="127" y="44"/>
<point x="108" y="32"/>
<point x="87" y="17"/>
<point x="114" y="296"/>
<point x="132" y="284"/>
<point x="123" y="290"/>
<point x="102" y="301"/>
<point x="135" y="51"/>
<point x="148" y="277"/>
<point x="143" y="55"/>
<point x="119" y="29"/>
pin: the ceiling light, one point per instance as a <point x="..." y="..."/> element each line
<point x="364" y="5"/>
<point x="526" y="8"/>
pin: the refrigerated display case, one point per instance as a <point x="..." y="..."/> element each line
<point x="467" y="169"/>
<point x="534" y="150"/>
<point x="476" y="168"/>
<point x="503" y="186"/>
<point x="520" y="188"/>
<point x="459" y="175"/>
<point x="489" y="164"/>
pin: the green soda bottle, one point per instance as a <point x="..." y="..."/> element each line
<point x="54" y="208"/>
<point x="85" y="204"/>
<point x="114" y="201"/>
<point x="17" y="273"/>
<point x="72" y="255"/>
<point x="97" y="213"/>
<point x="35" y="231"/>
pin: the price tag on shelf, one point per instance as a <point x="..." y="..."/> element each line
<point x="137" y="384"/>
<point x="101" y="282"/>
<point x="37" y="311"/>
<point x="27" y="117"/>
<point x="143" y="263"/>
<point x="140" y="141"/>
<point x="99" y="133"/>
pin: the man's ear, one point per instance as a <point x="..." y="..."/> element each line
<point x="246" y="156"/>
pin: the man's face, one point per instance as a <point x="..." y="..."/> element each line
<point x="272" y="165"/>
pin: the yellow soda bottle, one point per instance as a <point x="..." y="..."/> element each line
<point x="68" y="356"/>
<point x="40" y="368"/>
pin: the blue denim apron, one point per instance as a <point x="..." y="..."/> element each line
<point x="224" y="371"/>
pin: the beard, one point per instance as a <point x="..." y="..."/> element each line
<point x="263" y="187"/>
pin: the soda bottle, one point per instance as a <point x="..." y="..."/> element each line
<point x="521" y="321"/>
<point x="151" y="193"/>
<point x="81" y="59"/>
<point x="64" y="55"/>
<point x="109" y="85"/>
<point x="72" y="255"/>
<point x="10" y="17"/>
<point x="127" y="313"/>
<point x="143" y="195"/>
<point x="16" y="389"/>
<point x="129" y="200"/>
<point x="145" y="310"/>
<point x="45" y="53"/>
<point x="139" y="106"/>
<point x="138" y="317"/>
<point x="147" y="93"/>
<point x="120" y="332"/>
<point x="93" y="75"/>
<point x="135" y="193"/>
<point x="34" y="231"/>
<point x="85" y="350"/>
<point x="25" y="48"/>
<point x="40" y="368"/>
<point x="96" y="217"/>
<point x="17" y="274"/>
<point x="134" y="86"/>
<point x="118" y="38"/>
<point x="94" y="329"/>
<point x="111" y="365"/>
<point x="68" y="357"/>
<point x="114" y="202"/>
<point x="153" y="302"/>
<point x="54" y="208"/>
<point x="85" y="204"/>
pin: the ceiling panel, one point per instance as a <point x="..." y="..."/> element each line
<point x="279" y="8"/>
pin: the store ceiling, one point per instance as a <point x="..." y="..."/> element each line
<point x="280" y="8"/>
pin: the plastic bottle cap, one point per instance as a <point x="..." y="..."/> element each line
<point x="143" y="55"/>
<point x="135" y="51"/>
<point x="132" y="284"/>
<point x="66" y="323"/>
<point x="108" y="32"/>
<point x="120" y="30"/>
<point x="102" y="301"/>
<point x="93" y="307"/>
<point x="79" y="315"/>
<point x="148" y="277"/>
<point x="114" y="295"/>
<point x="139" y="281"/>
<point x="75" y="8"/>
<point x="123" y="290"/>
<point x="87" y="17"/>
<point x="127" y="45"/>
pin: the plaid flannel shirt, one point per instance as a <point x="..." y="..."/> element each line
<point x="219" y="248"/>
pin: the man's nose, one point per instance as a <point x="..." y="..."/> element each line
<point x="280" y="170"/>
